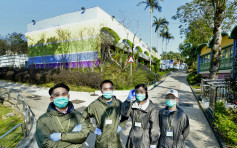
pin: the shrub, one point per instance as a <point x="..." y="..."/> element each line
<point x="194" y="78"/>
<point x="225" y="121"/>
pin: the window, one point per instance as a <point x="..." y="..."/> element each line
<point x="227" y="52"/>
<point x="205" y="58"/>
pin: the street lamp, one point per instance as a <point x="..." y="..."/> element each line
<point x="83" y="10"/>
<point x="34" y="22"/>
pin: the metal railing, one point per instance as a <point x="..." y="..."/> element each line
<point x="22" y="128"/>
<point x="23" y="107"/>
<point x="213" y="90"/>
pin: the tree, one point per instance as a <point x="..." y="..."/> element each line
<point x="3" y="46"/>
<point x="219" y="6"/>
<point x="153" y="4"/>
<point x="159" y="24"/>
<point x="168" y="38"/>
<point x="17" y="43"/>
<point x="188" y="50"/>
<point x="164" y="35"/>
<point x="198" y="15"/>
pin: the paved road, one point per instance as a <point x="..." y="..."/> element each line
<point x="201" y="135"/>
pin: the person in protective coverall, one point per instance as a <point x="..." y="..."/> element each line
<point x="61" y="126"/>
<point x="145" y="124"/>
<point x="174" y="123"/>
<point x="106" y="112"/>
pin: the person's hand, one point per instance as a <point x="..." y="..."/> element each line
<point x="97" y="131"/>
<point x="118" y="129"/>
<point x="55" y="136"/>
<point x="131" y="95"/>
<point x="77" y="128"/>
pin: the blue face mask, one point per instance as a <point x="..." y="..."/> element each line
<point x="108" y="94"/>
<point x="60" y="102"/>
<point x="170" y="103"/>
<point x="140" y="97"/>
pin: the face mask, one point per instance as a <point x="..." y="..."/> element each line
<point x="60" y="102"/>
<point x="108" y="94"/>
<point x="170" y="103"/>
<point x="140" y="97"/>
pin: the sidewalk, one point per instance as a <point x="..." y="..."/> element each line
<point x="201" y="135"/>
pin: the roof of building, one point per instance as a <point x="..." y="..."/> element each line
<point x="233" y="34"/>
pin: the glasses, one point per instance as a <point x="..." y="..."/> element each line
<point x="170" y="97"/>
<point x="108" y="88"/>
<point x="65" y="94"/>
<point x="140" y="91"/>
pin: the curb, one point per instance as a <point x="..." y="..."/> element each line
<point x="209" y="119"/>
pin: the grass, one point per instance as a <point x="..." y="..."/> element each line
<point x="12" y="139"/>
<point x="195" y="86"/>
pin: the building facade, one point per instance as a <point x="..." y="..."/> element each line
<point x="74" y="39"/>
<point x="228" y="52"/>
<point x="13" y="60"/>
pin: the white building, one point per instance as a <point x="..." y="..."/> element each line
<point x="13" y="60"/>
<point x="73" y="39"/>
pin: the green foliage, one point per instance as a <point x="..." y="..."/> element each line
<point x="14" y="43"/>
<point x="129" y="42"/>
<point x="146" y="53"/>
<point x="200" y="21"/>
<point x="139" y="49"/>
<point x="171" y="55"/>
<point x="122" y="80"/>
<point x="226" y="122"/>
<point x="112" y="32"/>
<point x="194" y="78"/>
<point x="7" y="123"/>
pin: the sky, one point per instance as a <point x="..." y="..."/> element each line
<point x="16" y="14"/>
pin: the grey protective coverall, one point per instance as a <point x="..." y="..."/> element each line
<point x="178" y="123"/>
<point x="148" y="133"/>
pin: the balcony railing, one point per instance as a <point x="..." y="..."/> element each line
<point x="205" y="66"/>
<point x="225" y="64"/>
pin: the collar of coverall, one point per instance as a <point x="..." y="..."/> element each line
<point x="143" y="106"/>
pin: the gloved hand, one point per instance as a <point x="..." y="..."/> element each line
<point x="97" y="131"/>
<point x="77" y="128"/>
<point x="131" y="95"/>
<point x="152" y="146"/>
<point x="118" y="129"/>
<point x="55" y="136"/>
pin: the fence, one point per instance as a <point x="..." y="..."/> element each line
<point x="18" y="101"/>
<point x="213" y="90"/>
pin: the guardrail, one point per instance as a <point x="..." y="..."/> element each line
<point x="24" y="109"/>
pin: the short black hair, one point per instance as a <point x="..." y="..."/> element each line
<point x="143" y="86"/>
<point x="106" y="81"/>
<point x="58" y="85"/>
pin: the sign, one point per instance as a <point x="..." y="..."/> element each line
<point x="131" y="60"/>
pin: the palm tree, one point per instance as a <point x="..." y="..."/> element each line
<point x="163" y="34"/>
<point x="153" y="4"/>
<point x="159" y="24"/>
<point x="168" y="38"/>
